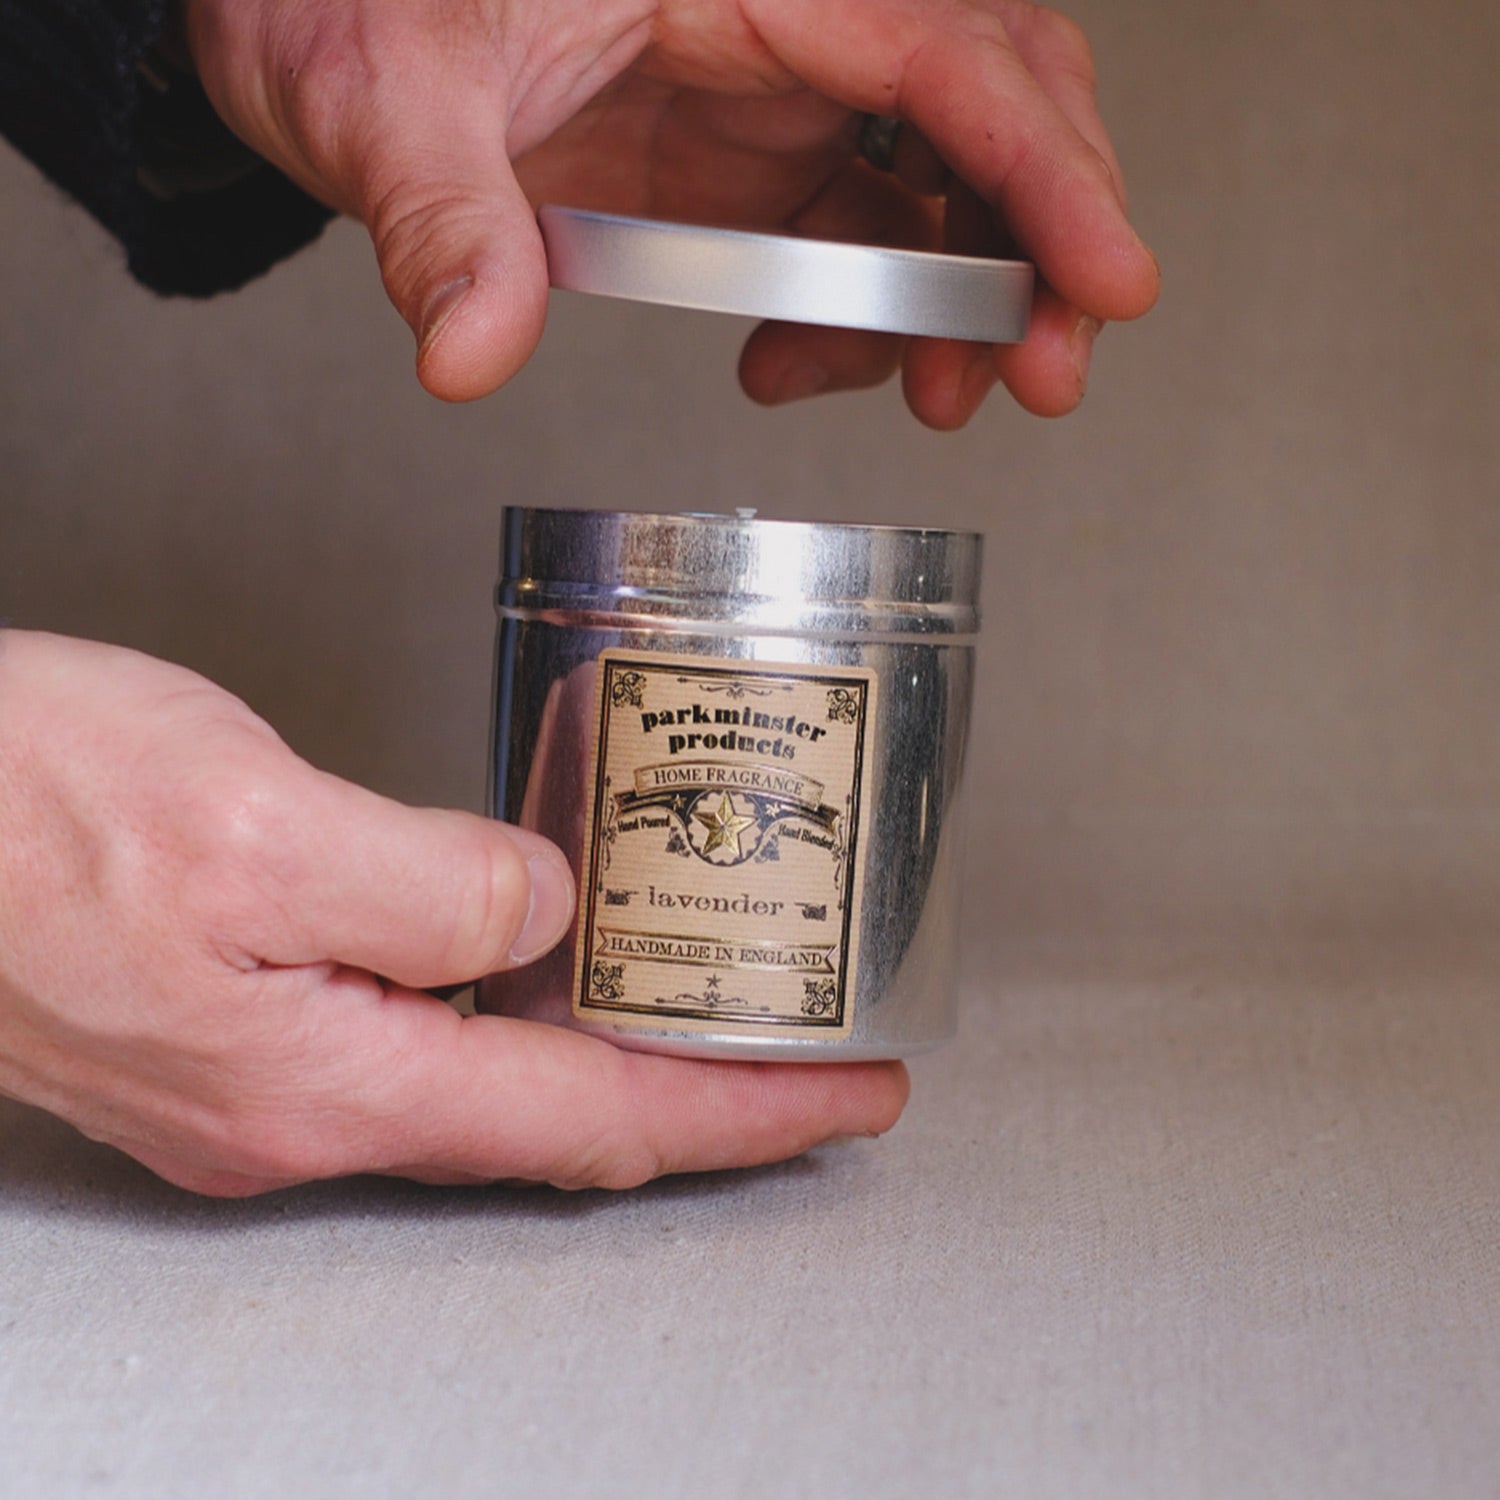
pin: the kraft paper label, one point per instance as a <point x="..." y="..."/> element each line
<point x="725" y="849"/>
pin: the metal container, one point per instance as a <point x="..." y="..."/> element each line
<point x="748" y="738"/>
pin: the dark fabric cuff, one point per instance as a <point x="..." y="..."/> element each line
<point x="139" y="146"/>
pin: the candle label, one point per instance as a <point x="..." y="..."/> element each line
<point x="725" y="845"/>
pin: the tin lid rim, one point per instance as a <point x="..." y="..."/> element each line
<point x="787" y="277"/>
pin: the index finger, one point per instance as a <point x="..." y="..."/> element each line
<point x="488" y="1097"/>
<point x="952" y="69"/>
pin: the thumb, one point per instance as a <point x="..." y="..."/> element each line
<point x="459" y="249"/>
<point x="422" y="896"/>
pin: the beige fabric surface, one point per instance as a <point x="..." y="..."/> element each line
<point x="1205" y="1203"/>
<point x="1164" y="1223"/>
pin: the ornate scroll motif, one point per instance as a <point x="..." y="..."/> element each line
<point x="735" y="691"/>
<point x="628" y="690"/>
<point x="607" y="981"/>
<point x="819" y="997"/>
<point x="843" y="706"/>
<point x="712" y="998"/>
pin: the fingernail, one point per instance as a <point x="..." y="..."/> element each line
<point x="1081" y="347"/>
<point x="801" y="381"/>
<point x="551" y="910"/>
<point x="440" y="309"/>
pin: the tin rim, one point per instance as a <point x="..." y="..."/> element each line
<point x="733" y="571"/>
<point x="790" y="279"/>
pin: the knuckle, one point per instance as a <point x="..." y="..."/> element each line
<point x="319" y="74"/>
<point x="245" y="824"/>
<point x="274" y="1150"/>
<point x="1065" y="42"/>
<point x="217" y="842"/>
<point x="618" y="1151"/>
<point x="612" y="1164"/>
<point x="215" y="1184"/>
<point x="225" y="841"/>
<point x="413" y="231"/>
<point x="1066" y="34"/>
<point x="630" y="1166"/>
<point x="245" y="836"/>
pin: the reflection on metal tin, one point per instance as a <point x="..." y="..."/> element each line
<point x="748" y="738"/>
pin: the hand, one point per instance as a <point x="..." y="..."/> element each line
<point x="211" y="956"/>
<point x="441" y="126"/>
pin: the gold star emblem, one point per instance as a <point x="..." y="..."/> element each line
<point x="724" y="826"/>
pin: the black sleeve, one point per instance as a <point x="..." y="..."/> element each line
<point x="139" y="146"/>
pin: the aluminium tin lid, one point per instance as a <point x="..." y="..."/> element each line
<point x="794" y="280"/>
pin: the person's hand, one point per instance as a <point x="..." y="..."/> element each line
<point x="211" y="956"/>
<point x="441" y="126"/>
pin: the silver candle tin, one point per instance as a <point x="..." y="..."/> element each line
<point x="748" y="737"/>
